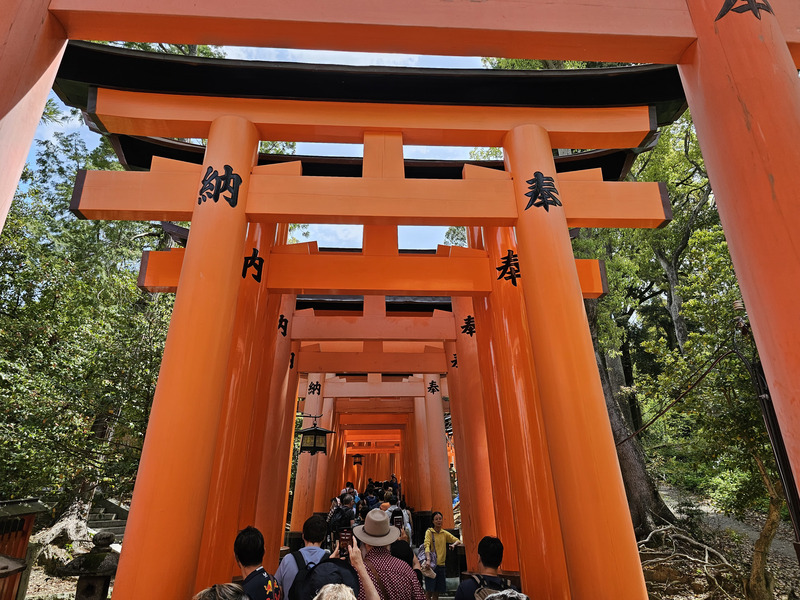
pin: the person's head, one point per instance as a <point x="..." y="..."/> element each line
<point x="249" y="547"/>
<point x="363" y="512"/>
<point x="394" y="478"/>
<point x="335" y="591"/>
<point x="348" y="485"/>
<point x="387" y="497"/>
<point x="438" y="519"/>
<point x="490" y="552"/>
<point x="376" y="530"/>
<point x="393" y="500"/>
<point x="222" y="591"/>
<point x="403" y="504"/>
<point x="347" y="499"/>
<point x="315" y="529"/>
<point x="402" y="550"/>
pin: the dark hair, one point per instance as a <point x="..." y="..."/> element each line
<point x="249" y="547"/>
<point x="393" y="500"/>
<point x="436" y="512"/>
<point x="315" y="529"/>
<point x="349" y="484"/>
<point x="490" y="549"/>
<point x="401" y="549"/>
<point x="363" y="512"/>
<point x="403" y="504"/>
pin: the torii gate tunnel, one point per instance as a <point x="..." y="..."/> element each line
<point x="527" y="406"/>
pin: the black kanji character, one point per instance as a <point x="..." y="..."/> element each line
<point x="469" y="326"/>
<point x="255" y="261"/>
<point x="291" y="361"/>
<point x="283" y="323"/>
<point x="214" y="185"/>
<point x="454" y="362"/>
<point x="753" y="6"/>
<point x="433" y="387"/>
<point x="542" y="189"/>
<point x="314" y="388"/>
<point x="509" y="268"/>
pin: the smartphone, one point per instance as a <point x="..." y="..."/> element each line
<point x="398" y="522"/>
<point x="345" y="541"/>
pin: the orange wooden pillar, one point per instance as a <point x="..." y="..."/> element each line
<point x="178" y="453"/>
<point x="32" y="43"/>
<point x="438" y="467"/>
<point x="497" y="444"/>
<point x="335" y="460"/>
<point x="321" y="499"/>
<point x="744" y="95"/>
<point x="255" y="439"/>
<point x="598" y="536"/>
<point x="278" y="441"/>
<point x="303" y="503"/>
<point x="533" y="500"/>
<point x="422" y="459"/>
<point x="469" y="436"/>
<point x="251" y="338"/>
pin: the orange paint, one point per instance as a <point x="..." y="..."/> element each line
<point x="191" y="386"/>
<point x="252" y="331"/>
<point x="31" y="46"/>
<point x="438" y="466"/>
<point x="166" y="115"/>
<point x="596" y="526"/>
<point x="747" y="122"/>
<point x="530" y="479"/>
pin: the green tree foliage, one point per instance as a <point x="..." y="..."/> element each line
<point x="81" y="344"/>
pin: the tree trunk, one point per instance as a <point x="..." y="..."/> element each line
<point x="644" y="502"/>
<point x="674" y="299"/>
<point x="760" y="585"/>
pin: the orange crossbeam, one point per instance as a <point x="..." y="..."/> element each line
<point x="169" y="115"/>
<point x="171" y="196"/>
<point x="358" y="274"/>
<point x="616" y="30"/>
<point x="371" y="362"/>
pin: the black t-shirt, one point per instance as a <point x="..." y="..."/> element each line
<point x="260" y="585"/>
<point x="467" y="588"/>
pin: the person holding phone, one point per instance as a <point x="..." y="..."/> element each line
<point x="393" y="578"/>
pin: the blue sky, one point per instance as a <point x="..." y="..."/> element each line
<point x="334" y="235"/>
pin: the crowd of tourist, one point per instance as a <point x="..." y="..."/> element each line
<point x="371" y="559"/>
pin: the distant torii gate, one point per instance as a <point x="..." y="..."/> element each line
<point x="737" y="61"/>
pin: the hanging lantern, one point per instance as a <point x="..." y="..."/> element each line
<point x="358" y="459"/>
<point x="314" y="439"/>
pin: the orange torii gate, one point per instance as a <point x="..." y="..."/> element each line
<point x="580" y="503"/>
<point x="746" y="117"/>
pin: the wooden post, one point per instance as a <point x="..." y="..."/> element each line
<point x="596" y="526"/>
<point x="496" y="441"/>
<point x="178" y="453"/>
<point x="321" y="499"/>
<point x="438" y="467"/>
<point x="533" y="498"/>
<point x="32" y="43"/>
<point x="251" y="338"/>
<point x="303" y="503"/>
<point x="278" y="442"/>
<point x="744" y="95"/>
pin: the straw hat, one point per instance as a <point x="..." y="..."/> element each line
<point x="376" y="530"/>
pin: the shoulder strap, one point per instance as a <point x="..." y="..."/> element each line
<point x="384" y="593"/>
<point x="298" y="558"/>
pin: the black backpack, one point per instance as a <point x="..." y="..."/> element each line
<point x="486" y="588"/>
<point x="341" y="518"/>
<point x="303" y="569"/>
<point x="329" y="570"/>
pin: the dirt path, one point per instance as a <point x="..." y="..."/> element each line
<point x="781" y="545"/>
